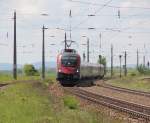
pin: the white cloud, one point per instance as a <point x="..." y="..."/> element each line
<point x="135" y="3"/>
<point x="139" y="23"/>
<point x="25" y="6"/>
<point x="58" y="11"/>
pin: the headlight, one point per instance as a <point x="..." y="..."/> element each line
<point x="77" y="70"/>
<point x="59" y="70"/>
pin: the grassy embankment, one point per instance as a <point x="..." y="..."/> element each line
<point x="134" y="80"/>
<point x="32" y="103"/>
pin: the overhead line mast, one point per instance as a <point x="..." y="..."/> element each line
<point x="15" y="50"/>
<point x="112" y="58"/>
<point x="65" y="41"/>
<point x="70" y="15"/>
<point x="43" y="52"/>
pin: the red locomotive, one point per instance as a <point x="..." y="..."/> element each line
<point x="69" y="67"/>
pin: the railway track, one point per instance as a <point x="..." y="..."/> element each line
<point x="2" y="85"/>
<point x="140" y="111"/>
<point x="17" y="81"/>
<point x="136" y="92"/>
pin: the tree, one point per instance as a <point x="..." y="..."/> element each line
<point x="102" y="60"/>
<point x="143" y="70"/>
<point x="30" y="70"/>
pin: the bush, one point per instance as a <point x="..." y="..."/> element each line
<point x="143" y="70"/>
<point x="70" y="102"/>
<point x="133" y="74"/>
<point x="102" y="60"/>
<point x="30" y="70"/>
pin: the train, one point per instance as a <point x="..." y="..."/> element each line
<point x="70" y="69"/>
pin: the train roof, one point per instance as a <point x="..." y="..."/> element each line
<point x="69" y="51"/>
<point x="91" y="64"/>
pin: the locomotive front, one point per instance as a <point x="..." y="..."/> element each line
<point x="68" y="66"/>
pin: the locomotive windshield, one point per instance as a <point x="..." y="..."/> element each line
<point x="69" y="61"/>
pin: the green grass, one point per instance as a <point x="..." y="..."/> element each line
<point x="31" y="103"/>
<point x="79" y="116"/>
<point x="70" y="102"/>
<point x="134" y="80"/>
<point x="131" y="82"/>
<point x="24" y="103"/>
<point x="7" y="77"/>
<point x="116" y="72"/>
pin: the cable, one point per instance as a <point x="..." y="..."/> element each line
<point x="110" y="6"/>
<point x="94" y="13"/>
<point x="1" y="44"/>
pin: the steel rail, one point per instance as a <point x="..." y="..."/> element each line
<point x="4" y="84"/>
<point x="136" y="92"/>
<point x="128" y="107"/>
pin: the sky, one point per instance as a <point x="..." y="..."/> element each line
<point x="129" y="32"/>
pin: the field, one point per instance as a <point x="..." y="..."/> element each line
<point x="133" y="80"/>
<point x="32" y="103"/>
<point x="6" y="76"/>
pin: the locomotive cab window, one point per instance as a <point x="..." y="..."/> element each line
<point x="69" y="61"/>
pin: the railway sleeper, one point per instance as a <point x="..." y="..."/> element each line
<point x="109" y="104"/>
